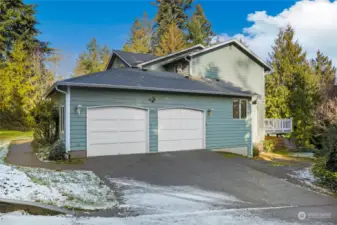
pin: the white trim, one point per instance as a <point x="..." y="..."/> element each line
<point x="204" y="111"/>
<point x="67" y="119"/>
<point x="240" y="99"/>
<point x="238" y="43"/>
<point x="172" y="54"/>
<point x="123" y="106"/>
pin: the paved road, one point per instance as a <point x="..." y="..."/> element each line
<point x="202" y="182"/>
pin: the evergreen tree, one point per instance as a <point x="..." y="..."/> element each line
<point x="93" y="60"/>
<point x="291" y="90"/>
<point x="168" y="12"/>
<point x="326" y="72"/>
<point x="171" y="41"/>
<point x="199" y="28"/>
<point x="18" y="84"/>
<point x="140" y="39"/>
<point x="18" y="23"/>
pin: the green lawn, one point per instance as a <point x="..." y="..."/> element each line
<point x="12" y="134"/>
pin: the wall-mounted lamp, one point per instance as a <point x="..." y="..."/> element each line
<point x="152" y="99"/>
<point x="78" y="109"/>
<point x="210" y="112"/>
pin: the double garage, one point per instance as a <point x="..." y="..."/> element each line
<point x="113" y="130"/>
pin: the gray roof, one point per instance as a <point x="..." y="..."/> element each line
<point x="136" y="79"/>
<point x="134" y="58"/>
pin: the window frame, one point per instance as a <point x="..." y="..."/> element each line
<point x="240" y="100"/>
<point x="62" y="119"/>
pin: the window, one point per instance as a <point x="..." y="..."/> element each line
<point x="239" y="109"/>
<point x="178" y="68"/>
<point x="62" y="119"/>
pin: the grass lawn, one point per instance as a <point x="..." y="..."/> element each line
<point x="12" y="134"/>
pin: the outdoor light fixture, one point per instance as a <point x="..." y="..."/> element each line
<point x="210" y="112"/>
<point x="152" y="99"/>
<point x="78" y="109"/>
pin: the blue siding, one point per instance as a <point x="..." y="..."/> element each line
<point x="221" y="130"/>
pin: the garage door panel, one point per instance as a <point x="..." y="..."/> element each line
<point x="180" y="124"/>
<point x="180" y="129"/>
<point x="180" y="134"/>
<point x="125" y="148"/>
<point x="117" y="130"/>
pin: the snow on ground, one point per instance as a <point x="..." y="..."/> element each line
<point x="73" y="189"/>
<point x="306" y="177"/>
<point x="208" y="218"/>
<point x="153" y="199"/>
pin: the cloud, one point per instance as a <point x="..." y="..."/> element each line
<point x="315" y="24"/>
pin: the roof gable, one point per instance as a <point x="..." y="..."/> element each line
<point x="129" y="58"/>
<point x="241" y="47"/>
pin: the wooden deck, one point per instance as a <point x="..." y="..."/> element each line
<point x="278" y="126"/>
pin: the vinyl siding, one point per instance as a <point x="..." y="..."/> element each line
<point x="221" y="130"/>
<point x="231" y="64"/>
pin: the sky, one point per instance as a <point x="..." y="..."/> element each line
<point x="70" y="24"/>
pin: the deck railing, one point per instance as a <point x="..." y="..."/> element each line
<point x="278" y="126"/>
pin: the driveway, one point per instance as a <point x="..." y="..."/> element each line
<point x="193" y="182"/>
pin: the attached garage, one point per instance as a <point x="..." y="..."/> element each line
<point x="113" y="130"/>
<point x="130" y="111"/>
<point x="181" y="129"/>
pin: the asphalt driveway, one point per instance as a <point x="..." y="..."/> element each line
<point x="252" y="185"/>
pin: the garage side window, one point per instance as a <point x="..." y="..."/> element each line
<point x="239" y="108"/>
<point x="62" y="119"/>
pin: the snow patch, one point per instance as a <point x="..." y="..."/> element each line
<point x="154" y="199"/>
<point x="73" y="189"/>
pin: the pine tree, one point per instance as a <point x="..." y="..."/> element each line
<point x="93" y="60"/>
<point x="291" y="90"/>
<point x="140" y="39"/>
<point x="18" y="23"/>
<point x="199" y="28"/>
<point x="171" y="41"/>
<point x="168" y="12"/>
<point x="323" y="68"/>
<point x="19" y="85"/>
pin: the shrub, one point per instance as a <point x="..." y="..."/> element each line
<point x="57" y="151"/>
<point x="46" y="122"/>
<point x="256" y="151"/>
<point x="330" y="149"/>
<point x="268" y="146"/>
<point x="325" y="177"/>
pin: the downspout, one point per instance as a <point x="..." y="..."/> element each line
<point x="67" y="116"/>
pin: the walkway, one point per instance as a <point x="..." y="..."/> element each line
<point x="21" y="154"/>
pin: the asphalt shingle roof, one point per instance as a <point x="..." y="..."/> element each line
<point x="136" y="79"/>
<point x="134" y="58"/>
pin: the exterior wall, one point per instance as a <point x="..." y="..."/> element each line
<point x="222" y="132"/>
<point x="231" y="64"/>
<point x="118" y="63"/>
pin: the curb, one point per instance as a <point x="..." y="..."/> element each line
<point x="37" y="205"/>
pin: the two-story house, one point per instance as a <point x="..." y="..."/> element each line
<point x="198" y="98"/>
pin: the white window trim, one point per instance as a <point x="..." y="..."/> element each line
<point x="62" y="119"/>
<point x="240" y="109"/>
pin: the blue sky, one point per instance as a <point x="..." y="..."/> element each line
<point x="69" y="25"/>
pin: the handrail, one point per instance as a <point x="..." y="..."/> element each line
<point x="278" y="126"/>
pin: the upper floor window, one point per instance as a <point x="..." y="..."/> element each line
<point x="240" y="108"/>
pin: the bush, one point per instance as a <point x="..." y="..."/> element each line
<point x="324" y="176"/>
<point x="57" y="151"/>
<point x="330" y="149"/>
<point x="268" y="146"/>
<point x="256" y="151"/>
<point x="46" y="122"/>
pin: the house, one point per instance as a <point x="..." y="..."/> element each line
<point x="198" y="98"/>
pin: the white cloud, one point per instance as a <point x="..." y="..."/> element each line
<point x="315" y="24"/>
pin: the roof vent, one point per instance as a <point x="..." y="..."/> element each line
<point x="187" y="76"/>
<point x="144" y="69"/>
<point x="217" y="79"/>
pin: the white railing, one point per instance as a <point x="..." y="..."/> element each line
<point x="278" y="126"/>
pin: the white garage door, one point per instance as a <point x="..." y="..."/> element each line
<point x="116" y="130"/>
<point x="180" y="129"/>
